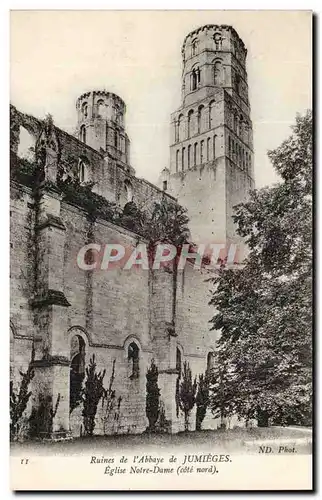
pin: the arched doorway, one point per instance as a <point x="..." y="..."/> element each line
<point x="77" y="370"/>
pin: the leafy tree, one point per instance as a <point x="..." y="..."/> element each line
<point x="19" y="399"/>
<point x="168" y="223"/>
<point x="202" y="399"/>
<point x="152" y="396"/>
<point x="187" y="393"/>
<point x="93" y="392"/>
<point x="263" y="308"/>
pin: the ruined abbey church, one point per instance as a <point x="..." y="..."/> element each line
<point x="125" y="317"/>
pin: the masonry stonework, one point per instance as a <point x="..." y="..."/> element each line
<point x="67" y="313"/>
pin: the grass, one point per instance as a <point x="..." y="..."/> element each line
<point x="233" y="440"/>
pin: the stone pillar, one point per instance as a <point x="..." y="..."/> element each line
<point x="50" y="391"/>
<point x="164" y="338"/>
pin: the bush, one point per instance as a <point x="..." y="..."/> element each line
<point x="152" y="396"/>
<point x="187" y="393"/>
<point x="202" y="399"/>
<point x="19" y="399"/>
<point x="93" y="392"/>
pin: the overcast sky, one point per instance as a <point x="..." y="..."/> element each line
<point x="58" y="55"/>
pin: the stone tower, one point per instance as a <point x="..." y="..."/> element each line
<point x="211" y="151"/>
<point x="101" y="123"/>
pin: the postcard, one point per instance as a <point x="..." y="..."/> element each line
<point x="161" y="250"/>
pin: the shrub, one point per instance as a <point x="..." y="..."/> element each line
<point x="202" y="399"/>
<point x="19" y="399"/>
<point x="187" y="393"/>
<point x="152" y="396"/>
<point x="93" y="392"/>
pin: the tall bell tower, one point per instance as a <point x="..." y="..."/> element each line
<point x="101" y="125"/>
<point x="211" y="151"/>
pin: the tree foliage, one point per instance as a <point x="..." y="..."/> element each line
<point x="202" y="399"/>
<point x="19" y="399"/>
<point x="187" y="393"/>
<point x="93" y="392"/>
<point x="152" y="395"/>
<point x="263" y="308"/>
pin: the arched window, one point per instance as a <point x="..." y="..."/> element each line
<point x="246" y="133"/>
<point x="133" y="356"/>
<point x="202" y="143"/>
<point x="117" y="114"/>
<point x="128" y="190"/>
<point x="101" y="108"/>
<point x="208" y="149"/>
<point x="229" y="146"/>
<point x="214" y="147"/>
<point x="85" y="109"/>
<point x="194" y="46"/>
<point x="180" y="128"/>
<point x="235" y="121"/>
<point x="237" y="83"/>
<point x="189" y="156"/>
<point x="218" y="73"/>
<point x="177" y="160"/>
<point x="195" y="78"/>
<point x="190" y="123"/>
<point x="201" y="119"/>
<point x="210" y="361"/>
<point x="242" y="127"/>
<point x="176" y="131"/>
<point x="82" y="134"/>
<point x="77" y="370"/>
<point x="115" y="139"/>
<point x="195" y="153"/>
<point x="218" y="41"/>
<point x="211" y="114"/>
<point x="82" y="170"/>
<point x="182" y="158"/>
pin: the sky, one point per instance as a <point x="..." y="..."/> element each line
<point x="55" y="56"/>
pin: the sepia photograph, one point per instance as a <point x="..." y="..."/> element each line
<point x="161" y="170"/>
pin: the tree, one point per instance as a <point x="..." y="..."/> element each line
<point x="263" y="308"/>
<point x="202" y="399"/>
<point x="152" y="396"/>
<point x="19" y="399"/>
<point x="187" y="393"/>
<point x="93" y="392"/>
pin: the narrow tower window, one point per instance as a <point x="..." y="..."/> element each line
<point x="189" y="156"/>
<point x="83" y="134"/>
<point x="133" y="359"/>
<point x="85" y="109"/>
<point x="208" y="149"/>
<point x="194" y="46"/>
<point x="211" y="114"/>
<point x="177" y="160"/>
<point x="101" y="108"/>
<point x="201" y="151"/>
<point x="182" y="158"/>
<point x="195" y="152"/>
<point x="218" y="41"/>
<point x="180" y="128"/>
<point x="200" y="119"/>
<point x="190" y="123"/>
<point x="195" y="78"/>
<point x="218" y="73"/>
<point x="214" y="147"/>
